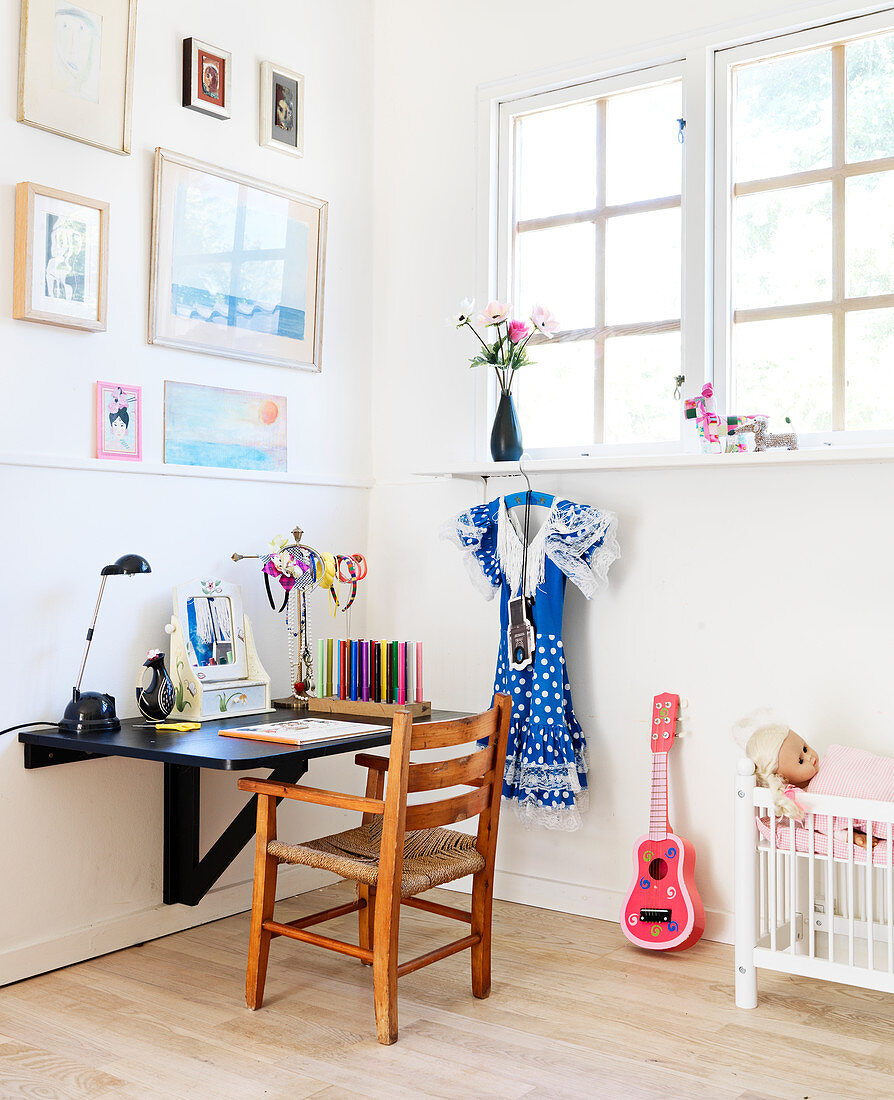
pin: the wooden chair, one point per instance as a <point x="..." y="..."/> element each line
<point x="397" y="852"/>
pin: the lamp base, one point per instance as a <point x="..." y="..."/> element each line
<point x="90" y="712"/>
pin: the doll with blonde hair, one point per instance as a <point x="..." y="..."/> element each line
<point x="782" y="760"/>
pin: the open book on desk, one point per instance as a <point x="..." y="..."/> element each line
<point x="301" y="731"/>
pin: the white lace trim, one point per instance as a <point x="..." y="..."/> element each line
<point x="458" y="529"/>
<point x="563" y="818"/>
<point x="547" y="777"/>
<point x="574" y="534"/>
<point x="510" y="552"/>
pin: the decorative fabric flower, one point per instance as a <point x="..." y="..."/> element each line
<point x="519" y="330"/>
<point x="544" y="321"/>
<point x="465" y="311"/>
<point x="494" y="312"/>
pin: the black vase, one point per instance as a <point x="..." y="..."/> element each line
<point x="157" y="700"/>
<point x="505" y="437"/>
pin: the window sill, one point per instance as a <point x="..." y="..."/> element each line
<point x="739" y="460"/>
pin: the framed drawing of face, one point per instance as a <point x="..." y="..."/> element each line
<point x="282" y="109"/>
<point x="119" y="421"/>
<point x="206" y="78"/>
<point x="61" y="258"/>
<point x="237" y="265"/>
<point x="76" y="69"/>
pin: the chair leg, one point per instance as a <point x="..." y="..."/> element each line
<point x="366" y="916"/>
<point x="262" y="901"/>
<point x="385" y="940"/>
<point x="482" y="912"/>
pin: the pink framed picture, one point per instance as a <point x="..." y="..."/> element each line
<point x="119" y="421"/>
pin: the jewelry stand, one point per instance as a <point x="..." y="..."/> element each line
<point x="302" y="670"/>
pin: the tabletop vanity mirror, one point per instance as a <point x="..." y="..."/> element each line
<point x="214" y="663"/>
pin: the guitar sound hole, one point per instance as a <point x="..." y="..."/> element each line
<point x="657" y="869"/>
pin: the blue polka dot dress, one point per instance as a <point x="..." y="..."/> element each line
<point x="546" y="761"/>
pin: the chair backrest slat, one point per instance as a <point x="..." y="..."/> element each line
<point x="456" y="772"/>
<point x="461" y="731"/>
<point x="448" y="811"/>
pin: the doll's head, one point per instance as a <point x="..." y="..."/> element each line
<point x="781" y="757"/>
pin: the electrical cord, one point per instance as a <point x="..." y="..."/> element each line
<point x="25" y="725"/>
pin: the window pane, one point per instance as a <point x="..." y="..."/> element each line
<point x="870" y="98"/>
<point x="642" y="267"/>
<point x="554" y="397"/>
<point x="869" y="353"/>
<point x="643" y="159"/>
<point x="782" y="247"/>
<point x="782" y="120"/>
<point x="869" y="236"/>
<point x="784" y="368"/>
<point x="557" y="268"/>
<point x="557" y="161"/>
<point x="639" y="388"/>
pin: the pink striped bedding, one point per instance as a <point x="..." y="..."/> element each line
<point x="840" y="847"/>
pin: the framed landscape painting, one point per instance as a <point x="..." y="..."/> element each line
<point x="233" y="429"/>
<point x="282" y="109"/>
<point x="237" y="265"/>
<point x="76" y="69"/>
<point x="61" y="258"/>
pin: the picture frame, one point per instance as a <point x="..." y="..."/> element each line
<point x="209" y="292"/>
<point x="76" y="70"/>
<point x="206" y="78"/>
<point x="119" y="421"/>
<point x="225" y="428"/>
<point x="61" y="270"/>
<point x="281" y="109"/>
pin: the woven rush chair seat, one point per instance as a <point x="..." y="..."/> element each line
<point x="432" y="857"/>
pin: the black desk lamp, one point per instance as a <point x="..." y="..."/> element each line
<point x="91" y="711"/>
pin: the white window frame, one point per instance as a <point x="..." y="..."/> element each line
<point x="701" y="57"/>
<point x="509" y="111"/>
<point x="842" y="30"/>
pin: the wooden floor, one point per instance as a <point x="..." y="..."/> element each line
<point x="574" y="1012"/>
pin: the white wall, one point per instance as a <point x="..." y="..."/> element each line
<point x="81" y="858"/>
<point x="735" y="588"/>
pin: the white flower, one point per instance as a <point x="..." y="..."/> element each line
<point x="544" y="321"/>
<point x="494" y="312"/>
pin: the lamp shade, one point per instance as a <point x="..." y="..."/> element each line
<point x="126" y="565"/>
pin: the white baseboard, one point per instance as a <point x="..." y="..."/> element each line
<point x="28" y="960"/>
<point x="584" y="901"/>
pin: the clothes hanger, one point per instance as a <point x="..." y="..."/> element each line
<point x="528" y="496"/>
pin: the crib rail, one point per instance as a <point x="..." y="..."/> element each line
<point x="808" y="900"/>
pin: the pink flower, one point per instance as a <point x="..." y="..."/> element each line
<point x="544" y="321"/>
<point x="494" y="312"/>
<point x="519" y="330"/>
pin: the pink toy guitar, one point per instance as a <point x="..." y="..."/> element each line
<point x="663" y="911"/>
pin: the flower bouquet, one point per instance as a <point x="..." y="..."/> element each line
<point x="505" y="351"/>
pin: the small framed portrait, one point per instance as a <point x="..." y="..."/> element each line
<point x="282" y="109"/>
<point x="206" y="78"/>
<point x="76" y="69"/>
<point x="119" y="421"/>
<point x="61" y="258"/>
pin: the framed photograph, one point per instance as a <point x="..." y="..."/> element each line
<point x="282" y="109"/>
<point x="237" y="265"/>
<point x="234" y="429"/>
<point x="61" y="258"/>
<point x="206" y="78"/>
<point x="76" y="69"/>
<point x="119" y="421"/>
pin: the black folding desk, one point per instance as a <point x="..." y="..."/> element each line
<point x="186" y="877"/>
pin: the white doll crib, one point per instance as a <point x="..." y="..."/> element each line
<point x="808" y="902"/>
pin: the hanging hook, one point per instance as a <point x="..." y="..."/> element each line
<point x="521" y="469"/>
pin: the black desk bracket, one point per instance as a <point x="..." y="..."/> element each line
<point x="39" y="756"/>
<point x="187" y="879"/>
